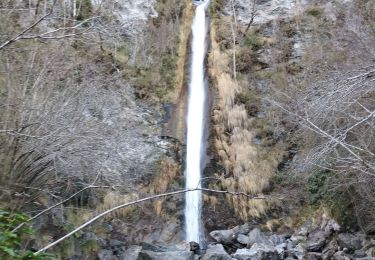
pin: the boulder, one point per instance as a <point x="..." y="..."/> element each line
<point x="216" y="252"/>
<point x="257" y="236"/>
<point x="106" y="255"/>
<point x="277" y="239"/>
<point x="175" y="255"/>
<point x="131" y="253"/>
<point x="313" y="256"/>
<point x="340" y="255"/>
<point x="229" y="236"/>
<point x="359" y="253"/>
<point x="280" y="248"/>
<point x="316" y="241"/>
<point x="243" y="239"/>
<point x="296" y="239"/>
<point x="224" y="236"/>
<point x="297" y="251"/>
<point x="257" y="252"/>
<point x="349" y="241"/>
<point x="330" y="225"/>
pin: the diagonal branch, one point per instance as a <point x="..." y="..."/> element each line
<point x="140" y="201"/>
<point x="19" y="36"/>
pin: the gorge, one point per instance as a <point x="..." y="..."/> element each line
<point x="110" y="111"/>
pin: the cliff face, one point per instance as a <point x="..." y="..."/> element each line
<point x="82" y="93"/>
<point x="271" y="64"/>
<point x="95" y="94"/>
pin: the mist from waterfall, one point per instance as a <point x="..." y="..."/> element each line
<point x="195" y="126"/>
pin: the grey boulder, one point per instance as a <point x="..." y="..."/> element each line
<point x="216" y="252"/>
<point x="257" y="252"/>
<point x="349" y="241"/>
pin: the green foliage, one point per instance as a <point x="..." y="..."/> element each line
<point x="253" y="42"/>
<point x="318" y="186"/>
<point x="10" y="242"/>
<point x="323" y="188"/>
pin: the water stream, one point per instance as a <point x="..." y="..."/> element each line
<point x="195" y="126"/>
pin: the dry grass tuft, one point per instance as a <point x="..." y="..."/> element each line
<point x="246" y="167"/>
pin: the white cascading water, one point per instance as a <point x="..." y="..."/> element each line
<point x="195" y="126"/>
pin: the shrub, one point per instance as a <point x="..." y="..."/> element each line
<point x="10" y="242"/>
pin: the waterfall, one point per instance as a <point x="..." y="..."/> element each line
<point x="195" y="126"/>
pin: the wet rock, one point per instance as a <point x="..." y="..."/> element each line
<point x="175" y="255"/>
<point x="131" y="253"/>
<point x="316" y="241"/>
<point x="349" y="241"/>
<point x="216" y="252"/>
<point x="194" y="247"/>
<point x="257" y="252"/>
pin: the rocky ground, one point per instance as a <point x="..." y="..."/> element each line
<point x="312" y="241"/>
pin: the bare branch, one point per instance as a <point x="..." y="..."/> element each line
<point x="140" y="201"/>
<point x="19" y="36"/>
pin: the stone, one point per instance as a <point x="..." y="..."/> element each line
<point x="175" y="255"/>
<point x="330" y="225"/>
<point x="359" y="253"/>
<point x="243" y="239"/>
<point x="229" y="236"/>
<point x="349" y="241"/>
<point x="257" y="236"/>
<point x="277" y="239"/>
<point x="304" y="231"/>
<point x="131" y="253"/>
<point x="313" y="256"/>
<point x="371" y="252"/>
<point x="216" y="252"/>
<point x="280" y="248"/>
<point x="244" y="229"/>
<point x="297" y="239"/>
<point x="340" y="255"/>
<point x="298" y="251"/>
<point x="224" y="236"/>
<point x="106" y="255"/>
<point x="257" y="252"/>
<point x="194" y="247"/>
<point x="316" y="241"/>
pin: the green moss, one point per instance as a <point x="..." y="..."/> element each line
<point x="314" y="11"/>
<point x="89" y="247"/>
